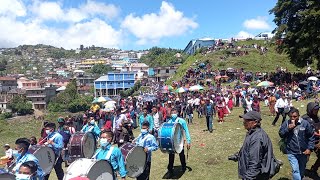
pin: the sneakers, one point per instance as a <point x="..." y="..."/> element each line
<point x="184" y="168"/>
<point x="169" y="174"/>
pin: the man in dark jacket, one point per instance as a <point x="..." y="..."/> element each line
<point x="209" y="112"/>
<point x="299" y="140"/>
<point x="313" y="119"/>
<point x="255" y="157"/>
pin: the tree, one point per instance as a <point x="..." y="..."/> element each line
<point x="162" y="57"/>
<point x="101" y="69"/>
<point x="20" y="105"/>
<point x="299" y="21"/>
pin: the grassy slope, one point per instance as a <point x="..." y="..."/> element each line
<point x="252" y="62"/>
<point x="208" y="154"/>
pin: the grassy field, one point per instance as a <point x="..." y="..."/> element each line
<point x="208" y="154"/>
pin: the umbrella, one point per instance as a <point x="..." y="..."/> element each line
<point x="208" y="80"/>
<point x="312" y="78"/>
<point x="217" y="77"/>
<point x="196" y="88"/>
<point x="167" y="88"/>
<point x="265" y="84"/>
<point x="246" y="83"/>
<point x="181" y="90"/>
<point x="101" y="99"/>
<point x="305" y="83"/>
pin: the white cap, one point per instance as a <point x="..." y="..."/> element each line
<point x="169" y="102"/>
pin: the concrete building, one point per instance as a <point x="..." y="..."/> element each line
<point x="25" y="83"/>
<point x="195" y="44"/>
<point x="162" y="73"/>
<point x="40" y="97"/>
<point x="112" y="83"/>
<point x="7" y="84"/>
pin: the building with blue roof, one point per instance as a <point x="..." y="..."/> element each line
<point x="112" y="83"/>
<point x="195" y="44"/>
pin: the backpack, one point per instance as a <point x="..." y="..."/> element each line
<point x="275" y="166"/>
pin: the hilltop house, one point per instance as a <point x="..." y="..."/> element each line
<point x="195" y="44"/>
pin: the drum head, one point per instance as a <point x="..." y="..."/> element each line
<point x="101" y="170"/>
<point x="6" y="176"/>
<point x="90" y="168"/>
<point x="136" y="161"/>
<point x="178" y="138"/>
<point x="46" y="158"/>
<point x="89" y="145"/>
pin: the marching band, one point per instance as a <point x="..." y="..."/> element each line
<point x="132" y="157"/>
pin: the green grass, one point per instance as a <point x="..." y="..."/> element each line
<point x="208" y="153"/>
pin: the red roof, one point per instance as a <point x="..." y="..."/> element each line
<point x="6" y="78"/>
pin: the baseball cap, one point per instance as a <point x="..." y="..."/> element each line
<point x="251" y="115"/>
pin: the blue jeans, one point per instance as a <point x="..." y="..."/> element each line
<point x="189" y="117"/>
<point x="298" y="164"/>
<point x="209" y="122"/>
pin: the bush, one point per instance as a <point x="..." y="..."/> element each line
<point x="6" y="115"/>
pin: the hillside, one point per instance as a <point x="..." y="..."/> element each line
<point x="253" y="61"/>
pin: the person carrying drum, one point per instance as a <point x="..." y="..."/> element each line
<point x="91" y="127"/>
<point x="23" y="155"/>
<point x="149" y="143"/>
<point x="175" y="119"/>
<point x="111" y="154"/>
<point x="27" y="170"/>
<point x="55" y="142"/>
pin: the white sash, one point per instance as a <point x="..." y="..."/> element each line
<point x="109" y="153"/>
<point x="54" y="136"/>
<point x="90" y="129"/>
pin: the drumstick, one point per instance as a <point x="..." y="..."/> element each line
<point x="42" y="140"/>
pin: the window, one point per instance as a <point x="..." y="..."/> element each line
<point x="167" y="70"/>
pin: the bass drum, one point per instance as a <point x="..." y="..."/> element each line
<point x="90" y="168"/>
<point x="170" y="138"/>
<point x="81" y="145"/>
<point x="135" y="159"/>
<point x="4" y="175"/>
<point x="45" y="156"/>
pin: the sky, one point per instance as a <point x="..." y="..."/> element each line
<point x="130" y="24"/>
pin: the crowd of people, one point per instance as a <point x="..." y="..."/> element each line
<point x="115" y="125"/>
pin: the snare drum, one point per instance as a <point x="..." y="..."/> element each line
<point x="45" y="156"/>
<point x="5" y="175"/>
<point x="81" y="145"/>
<point x="135" y="159"/>
<point x="90" y="168"/>
<point x="170" y="138"/>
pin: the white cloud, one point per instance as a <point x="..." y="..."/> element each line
<point x="152" y="27"/>
<point x="259" y="23"/>
<point x="12" y="8"/>
<point x="53" y="11"/>
<point x="94" y="32"/>
<point x="244" y="35"/>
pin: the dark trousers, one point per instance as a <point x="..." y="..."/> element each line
<point x="182" y="160"/>
<point x="58" y="168"/>
<point x="280" y="111"/>
<point x="146" y="173"/>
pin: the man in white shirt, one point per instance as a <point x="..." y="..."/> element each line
<point x="8" y="153"/>
<point x="118" y="122"/>
<point x="281" y="107"/>
<point x="157" y="120"/>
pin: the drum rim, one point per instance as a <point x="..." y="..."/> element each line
<point x="171" y="137"/>
<point x="82" y="143"/>
<point x="88" y="170"/>
<point x="134" y="146"/>
<point x="54" y="162"/>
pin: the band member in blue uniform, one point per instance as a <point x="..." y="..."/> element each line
<point x="55" y="142"/>
<point x="175" y="119"/>
<point x="111" y="154"/>
<point x="22" y="155"/>
<point x="149" y="143"/>
<point x="91" y="127"/>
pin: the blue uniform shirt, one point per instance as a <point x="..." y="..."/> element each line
<point x="147" y="141"/>
<point x="184" y="126"/>
<point x="57" y="142"/>
<point x="116" y="159"/>
<point x="29" y="157"/>
<point x="147" y="118"/>
<point x="95" y="130"/>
